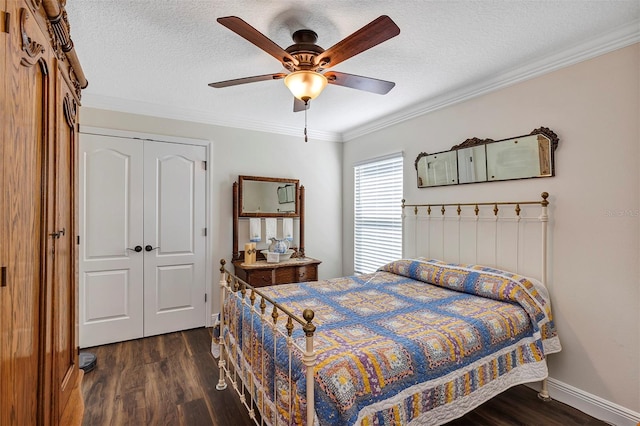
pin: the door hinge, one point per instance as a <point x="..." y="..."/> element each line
<point x="205" y="298"/>
<point x="205" y="232"/>
<point x="7" y="21"/>
<point x="204" y="165"/>
<point x="3" y="277"/>
<point x="78" y="240"/>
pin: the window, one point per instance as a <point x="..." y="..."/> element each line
<point x="378" y="213"/>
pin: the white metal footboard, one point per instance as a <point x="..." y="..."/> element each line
<point x="240" y="374"/>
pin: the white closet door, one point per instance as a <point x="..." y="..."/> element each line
<point x="175" y="236"/>
<point x="111" y="226"/>
<point x="142" y="238"/>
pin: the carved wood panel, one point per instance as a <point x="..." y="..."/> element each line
<point x="32" y="49"/>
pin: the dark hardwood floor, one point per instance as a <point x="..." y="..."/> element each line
<point x="171" y="379"/>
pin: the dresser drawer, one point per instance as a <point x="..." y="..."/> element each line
<point x="307" y="273"/>
<point x="260" y="278"/>
<point x="285" y="275"/>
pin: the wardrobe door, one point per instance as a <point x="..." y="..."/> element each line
<point x="24" y="133"/>
<point x="65" y="353"/>
<point x="4" y="300"/>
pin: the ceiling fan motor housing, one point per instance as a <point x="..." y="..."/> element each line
<point x="305" y="50"/>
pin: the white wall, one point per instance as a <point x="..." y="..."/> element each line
<point x="595" y="234"/>
<point x="318" y="166"/>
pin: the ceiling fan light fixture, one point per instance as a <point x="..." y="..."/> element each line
<point x="305" y="85"/>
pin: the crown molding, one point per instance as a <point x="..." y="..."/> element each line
<point x="196" y="116"/>
<point x="621" y="37"/>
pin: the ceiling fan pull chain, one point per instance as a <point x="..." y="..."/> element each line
<point x="306" y="107"/>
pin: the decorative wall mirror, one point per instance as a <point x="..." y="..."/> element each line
<point x="483" y="160"/>
<point x="268" y="197"/>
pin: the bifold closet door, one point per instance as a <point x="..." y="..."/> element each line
<point x="142" y="266"/>
<point x="175" y="236"/>
<point x="111" y="227"/>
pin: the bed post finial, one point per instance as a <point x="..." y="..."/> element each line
<point x="544" y="201"/>
<point x="308" y="328"/>
<point x="222" y="263"/>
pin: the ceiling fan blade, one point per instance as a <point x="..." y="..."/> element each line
<point x="254" y="36"/>
<point x="372" y="34"/>
<point x="299" y="105"/>
<point x="359" y="82"/>
<point x="236" y="81"/>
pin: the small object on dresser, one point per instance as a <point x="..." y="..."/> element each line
<point x="273" y="257"/>
<point x="250" y="253"/>
<point x="283" y="256"/>
<point x="279" y="246"/>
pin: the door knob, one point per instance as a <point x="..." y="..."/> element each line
<point x="149" y="248"/>
<point x="137" y="249"/>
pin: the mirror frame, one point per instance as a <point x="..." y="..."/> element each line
<point x="241" y="181"/>
<point x="474" y="142"/>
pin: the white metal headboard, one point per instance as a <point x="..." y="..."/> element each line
<point x="509" y="235"/>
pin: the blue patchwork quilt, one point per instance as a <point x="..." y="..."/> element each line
<point x="419" y="341"/>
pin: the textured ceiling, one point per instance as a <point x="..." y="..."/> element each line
<point x="156" y="57"/>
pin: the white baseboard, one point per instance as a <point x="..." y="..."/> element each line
<point x="590" y="404"/>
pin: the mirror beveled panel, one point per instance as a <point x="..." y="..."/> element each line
<point x="268" y="197"/>
<point x="472" y="164"/>
<point x="485" y="160"/>
<point x="438" y="169"/>
<point x="519" y="158"/>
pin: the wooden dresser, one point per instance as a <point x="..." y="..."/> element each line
<point x="261" y="273"/>
<point x="39" y="101"/>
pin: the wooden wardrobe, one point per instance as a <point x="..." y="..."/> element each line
<point x="39" y="100"/>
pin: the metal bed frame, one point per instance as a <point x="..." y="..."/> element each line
<point x="426" y="222"/>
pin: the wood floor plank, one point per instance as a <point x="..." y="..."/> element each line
<point x="194" y="413"/>
<point x="198" y="340"/>
<point x="171" y="380"/>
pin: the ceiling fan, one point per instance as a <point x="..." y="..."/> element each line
<point x="306" y="62"/>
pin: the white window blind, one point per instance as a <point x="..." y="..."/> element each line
<point x="378" y="213"/>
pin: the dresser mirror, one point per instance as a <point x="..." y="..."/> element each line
<point x="268" y="197"/>
<point x="486" y="160"/>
